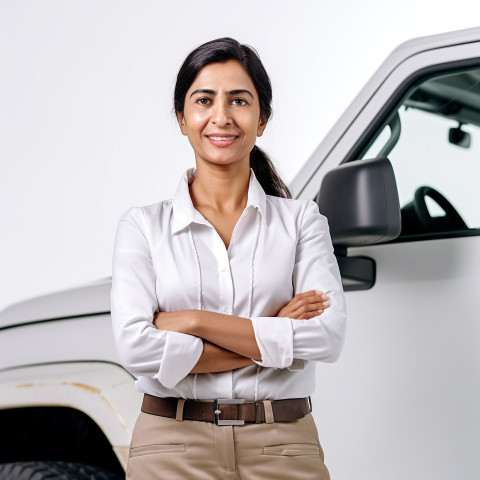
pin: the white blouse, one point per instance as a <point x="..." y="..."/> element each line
<point x="168" y="257"/>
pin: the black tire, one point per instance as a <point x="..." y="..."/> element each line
<point x="48" y="470"/>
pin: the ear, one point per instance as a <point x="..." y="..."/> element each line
<point x="181" y="122"/>
<point x="262" y="123"/>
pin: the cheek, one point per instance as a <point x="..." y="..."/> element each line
<point x="247" y="121"/>
<point x="251" y="123"/>
<point x="198" y="117"/>
<point x="252" y="129"/>
<point x="195" y="120"/>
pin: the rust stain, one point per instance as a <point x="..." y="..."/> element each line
<point x="91" y="389"/>
<point x="119" y="384"/>
<point x="115" y="411"/>
<point x="86" y="387"/>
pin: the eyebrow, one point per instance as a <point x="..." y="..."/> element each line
<point x="231" y="92"/>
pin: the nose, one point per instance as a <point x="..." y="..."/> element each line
<point x="220" y="114"/>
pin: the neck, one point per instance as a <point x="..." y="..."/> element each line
<point x="223" y="188"/>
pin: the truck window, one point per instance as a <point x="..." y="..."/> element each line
<point x="433" y="141"/>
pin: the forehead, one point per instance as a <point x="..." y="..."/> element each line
<point x="229" y="75"/>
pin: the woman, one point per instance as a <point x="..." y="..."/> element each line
<point x="217" y="300"/>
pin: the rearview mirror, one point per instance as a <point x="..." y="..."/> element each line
<point x="360" y="201"/>
<point x="459" y="137"/>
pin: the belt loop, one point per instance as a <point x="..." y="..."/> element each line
<point x="258" y="412"/>
<point x="267" y="405"/>
<point x="180" y="405"/>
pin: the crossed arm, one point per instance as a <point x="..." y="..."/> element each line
<point x="229" y="341"/>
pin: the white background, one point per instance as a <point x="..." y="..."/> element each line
<point x="86" y="123"/>
<point x="87" y="130"/>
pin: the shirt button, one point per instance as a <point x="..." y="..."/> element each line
<point x="223" y="269"/>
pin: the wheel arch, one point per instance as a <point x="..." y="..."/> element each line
<point x="101" y="392"/>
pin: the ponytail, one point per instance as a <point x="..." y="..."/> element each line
<point x="267" y="175"/>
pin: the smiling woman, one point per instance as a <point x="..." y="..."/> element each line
<point x="225" y="297"/>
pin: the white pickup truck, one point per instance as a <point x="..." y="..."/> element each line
<point x="403" y="400"/>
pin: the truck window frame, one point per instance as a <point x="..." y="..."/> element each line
<point x="382" y="118"/>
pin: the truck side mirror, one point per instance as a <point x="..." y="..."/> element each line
<point x="360" y="200"/>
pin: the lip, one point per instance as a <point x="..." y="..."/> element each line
<point x="221" y="140"/>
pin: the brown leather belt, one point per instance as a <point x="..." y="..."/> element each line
<point x="226" y="411"/>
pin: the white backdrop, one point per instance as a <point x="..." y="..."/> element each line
<point x="86" y="123"/>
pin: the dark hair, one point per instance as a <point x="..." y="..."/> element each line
<point x="221" y="50"/>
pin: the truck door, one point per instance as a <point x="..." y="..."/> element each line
<point x="403" y="401"/>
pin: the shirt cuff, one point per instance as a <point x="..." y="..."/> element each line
<point x="274" y="336"/>
<point x="297" y="365"/>
<point x="180" y="355"/>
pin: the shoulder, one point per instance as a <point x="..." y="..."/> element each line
<point x="300" y="210"/>
<point x="286" y="204"/>
<point x="143" y="217"/>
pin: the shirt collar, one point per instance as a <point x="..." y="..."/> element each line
<point x="257" y="197"/>
<point x="184" y="212"/>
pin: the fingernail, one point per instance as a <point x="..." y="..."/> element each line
<point x="325" y="297"/>
<point x="326" y="304"/>
<point x="318" y="292"/>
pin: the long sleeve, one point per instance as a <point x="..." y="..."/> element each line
<point x="285" y="342"/>
<point x="144" y="350"/>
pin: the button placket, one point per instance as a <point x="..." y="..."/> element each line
<point x="225" y="282"/>
<point x="225" y="305"/>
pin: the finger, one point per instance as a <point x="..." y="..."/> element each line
<point x="302" y="315"/>
<point x="309" y="315"/>
<point x="304" y="298"/>
<point x="310" y="296"/>
<point x="313" y="293"/>
<point x="310" y="307"/>
<point x="291" y="309"/>
<point x="323" y="296"/>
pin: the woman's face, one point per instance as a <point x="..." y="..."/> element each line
<point x="222" y="116"/>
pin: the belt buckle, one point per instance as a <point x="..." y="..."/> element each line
<point x="227" y="401"/>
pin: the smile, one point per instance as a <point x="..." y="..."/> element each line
<point x="221" y="139"/>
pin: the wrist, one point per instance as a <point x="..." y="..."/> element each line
<point x="194" y="322"/>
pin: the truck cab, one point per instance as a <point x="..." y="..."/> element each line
<point x="402" y="400"/>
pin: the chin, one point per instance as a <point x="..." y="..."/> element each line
<point x="222" y="160"/>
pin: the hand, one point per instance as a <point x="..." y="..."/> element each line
<point x="181" y="321"/>
<point x="305" y="305"/>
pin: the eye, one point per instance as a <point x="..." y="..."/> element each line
<point x="203" y="101"/>
<point x="239" y="101"/>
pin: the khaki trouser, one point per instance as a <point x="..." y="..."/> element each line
<point x="164" y="448"/>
